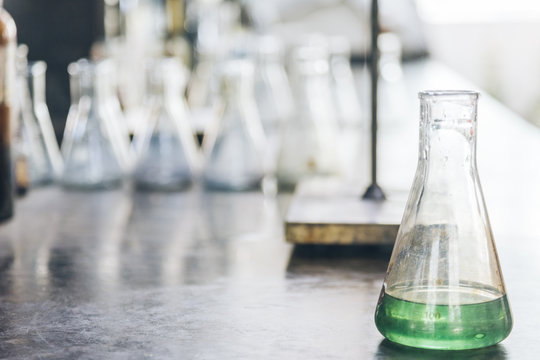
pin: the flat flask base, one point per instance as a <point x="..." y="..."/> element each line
<point x="443" y="327"/>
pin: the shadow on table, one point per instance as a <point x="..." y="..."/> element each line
<point x="388" y="350"/>
<point x="307" y="259"/>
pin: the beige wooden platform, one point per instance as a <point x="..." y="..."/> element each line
<point x="331" y="211"/>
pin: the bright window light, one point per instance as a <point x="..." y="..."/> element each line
<point x="475" y="11"/>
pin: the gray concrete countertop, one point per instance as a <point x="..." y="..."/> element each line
<point x="200" y="275"/>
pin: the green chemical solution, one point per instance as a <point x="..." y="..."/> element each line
<point x="443" y="327"/>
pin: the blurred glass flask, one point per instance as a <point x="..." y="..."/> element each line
<point x="348" y="108"/>
<point x="235" y="143"/>
<point x="310" y="138"/>
<point x="37" y="155"/>
<point x="343" y="84"/>
<point x="94" y="153"/>
<point x="273" y="94"/>
<point x="167" y="155"/>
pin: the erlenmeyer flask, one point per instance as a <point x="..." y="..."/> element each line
<point x="36" y="147"/>
<point x="92" y="152"/>
<point x="309" y="142"/>
<point x="444" y="287"/>
<point x="235" y="144"/>
<point x="165" y="146"/>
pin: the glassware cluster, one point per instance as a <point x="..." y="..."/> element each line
<point x="251" y="108"/>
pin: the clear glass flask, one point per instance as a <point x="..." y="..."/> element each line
<point x="94" y="157"/>
<point x="38" y="159"/>
<point x="444" y="287"/>
<point x="310" y="139"/>
<point x="165" y="146"/>
<point x="234" y="145"/>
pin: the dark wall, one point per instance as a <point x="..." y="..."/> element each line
<point x="58" y="32"/>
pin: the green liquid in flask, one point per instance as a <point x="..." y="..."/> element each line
<point x="444" y="327"/>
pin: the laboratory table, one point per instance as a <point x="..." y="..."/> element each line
<point x="208" y="275"/>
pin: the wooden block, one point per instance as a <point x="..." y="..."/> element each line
<point x="331" y="211"/>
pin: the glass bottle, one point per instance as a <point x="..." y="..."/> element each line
<point x="37" y="149"/>
<point x="309" y="142"/>
<point x="8" y="41"/>
<point x="444" y="287"/>
<point x="234" y="144"/>
<point x="93" y="154"/>
<point x="166" y="149"/>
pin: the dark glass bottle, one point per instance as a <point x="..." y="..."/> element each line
<point x="8" y="33"/>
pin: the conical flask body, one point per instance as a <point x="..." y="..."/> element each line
<point x="235" y="144"/>
<point x="444" y="287"/>
<point x="163" y="163"/>
<point x="166" y="149"/>
<point x="91" y="160"/>
<point x="91" y="149"/>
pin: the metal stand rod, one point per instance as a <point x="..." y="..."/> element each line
<point x="374" y="191"/>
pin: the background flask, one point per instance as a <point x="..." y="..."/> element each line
<point x="310" y="139"/>
<point x="234" y="144"/>
<point x="92" y="148"/>
<point x="166" y="150"/>
<point x="444" y="287"/>
<point x="273" y="94"/>
<point x="37" y="154"/>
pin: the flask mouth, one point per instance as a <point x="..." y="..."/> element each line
<point x="449" y="94"/>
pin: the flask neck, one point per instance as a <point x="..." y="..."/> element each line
<point x="448" y="129"/>
<point x="37" y="74"/>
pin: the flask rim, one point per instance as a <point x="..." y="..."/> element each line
<point x="470" y="94"/>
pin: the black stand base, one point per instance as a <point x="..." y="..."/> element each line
<point x="375" y="193"/>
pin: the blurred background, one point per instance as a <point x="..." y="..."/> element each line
<point x="492" y="43"/>
<point x="303" y="63"/>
